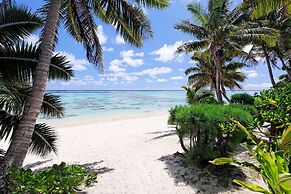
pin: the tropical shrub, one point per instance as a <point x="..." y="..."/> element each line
<point x="274" y="165"/>
<point x="204" y="130"/>
<point x="57" y="179"/>
<point x="242" y="98"/>
<point x="274" y="109"/>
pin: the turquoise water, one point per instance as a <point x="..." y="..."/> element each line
<point x="104" y="103"/>
<point x="100" y="104"/>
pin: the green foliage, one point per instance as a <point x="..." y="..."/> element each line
<point x="273" y="111"/>
<point x="243" y="98"/>
<point x="206" y="129"/>
<point x="57" y="179"/>
<point x="274" y="165"/>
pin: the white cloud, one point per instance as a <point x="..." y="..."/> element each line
<point x="181" y="69"/>
<point x="119" y="40"/>
<point x="108" y="49"/>
<point x="251" y="73"/>
<point x="83" y="81"/>
<point x="32" y="39"/>
<point x="133" y="62"/>
<point x="176" y="78"/>
<point x="260" y="86"/>
<point x="167" y="53"/>
<point x="77" y="64"/>
<point x="161" y="80"/>
<point x="101" y="35"/>
<point x="130" y="53"/>
<point x="154" y="71"/>
<point x="115" y="66"/>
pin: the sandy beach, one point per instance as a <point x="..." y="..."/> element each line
<point x="136" y="154"/>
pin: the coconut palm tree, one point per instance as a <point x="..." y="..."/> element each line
<point x="217" y="29"/>
<point x="196" y="94"/>
<point x="204" y="73"/>
<point x="12" y="99"/>
<point x="16" y="75"/>
<point x="78" y="18"/>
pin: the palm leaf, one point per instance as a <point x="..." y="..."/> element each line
<point x="43" y="140"/>
<point x="18" y="63"/>
<point x="17" y="23"/>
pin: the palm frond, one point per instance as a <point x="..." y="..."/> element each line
<point x="16" y="23"/>
<point x="52" y="106"/>
<point x="18" y="63"/>
<point x="192" y="29"/>
<point x="192" y="46"/>
<point x="129" y="20"/>
<point x="198" y="13"/>
<point x="159" y="4"/>
<point x="43" y="140"/>
<point x="80" y="23"/>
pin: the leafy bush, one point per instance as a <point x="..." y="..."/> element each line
<point x="57" y="179"/>
<point x="274" y="109"/>
<point x="243" y="98"/>
<point x="274" y="165"/>
<point x="207" y="130"/>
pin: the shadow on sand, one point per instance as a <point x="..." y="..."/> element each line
<point x="90" y="167"/>
<point x="162" y="134"/>
<point x="208" y="180"/>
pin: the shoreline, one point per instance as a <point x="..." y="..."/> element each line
<point x="86" y="120"/>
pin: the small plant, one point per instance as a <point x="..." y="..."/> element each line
<point x="243" y="98"/>
<point x="204" y="130"/>
<point x="57" y="179"/>
<point x="274" y="165"/>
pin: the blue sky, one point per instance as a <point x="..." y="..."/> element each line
<point x="154" y="66"/>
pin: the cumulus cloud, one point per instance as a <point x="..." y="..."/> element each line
<point x="83" y="81"/>
<point x="101" y="35"/>
<point x="167" y="53"/>
<point x="153" y="72"/>
<point x="77" y="64"/>
<point x="119" y="40"/>
<point x="251" y="73"/>
<point x="130" y="53"/>
<point x="115" y="66"/>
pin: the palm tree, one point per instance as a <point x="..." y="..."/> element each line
<point x="12" y="100"/>
<point x="129" y="20"/>
<point x="204" y="73"/>
<point x="195" y="94"/>
<point x="217" y="29"/>
<point x="16" y="73"/>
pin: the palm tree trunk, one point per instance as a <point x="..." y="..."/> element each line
<point x="269" y="66"/>
<point x="218" y="65"/>
<point x="283" y="63"/>
<point x="19" y="145"/>
<point x="224" y="94"/>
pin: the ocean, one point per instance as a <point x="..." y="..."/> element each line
<point x="86" y="105"/>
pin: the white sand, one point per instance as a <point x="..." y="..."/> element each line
<point x="131" y="156"/>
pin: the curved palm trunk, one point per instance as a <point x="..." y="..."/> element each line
<point x="19" y="145"/>
<point x="269" y="65"/>
<point x="224" y="94"/>
<point x="217" y="61"/>
<point x="283" y="63"/>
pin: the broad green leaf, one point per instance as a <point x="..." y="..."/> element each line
<point x="285" y="141"/>
<point x="252" y="187"/>
<point x="222" y="161"/>
<point x="285" y="181"/>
